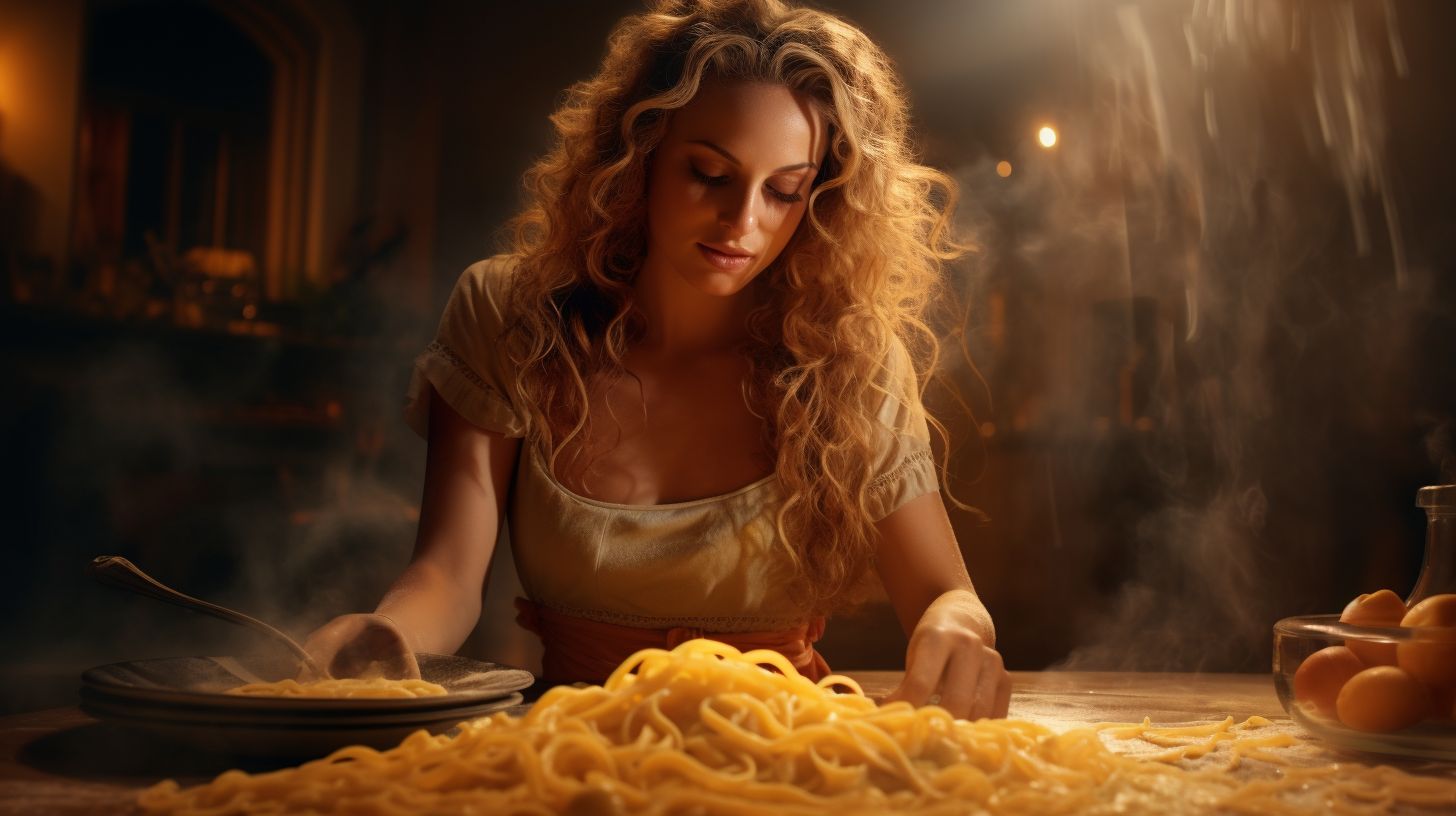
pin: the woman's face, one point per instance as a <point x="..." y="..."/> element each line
<point x="729" y="183"/>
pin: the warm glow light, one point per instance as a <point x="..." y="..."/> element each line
<point x="1047" y="136"/>
<point x="1003" y="169"/>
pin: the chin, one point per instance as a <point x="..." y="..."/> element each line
<point x="718" y="283"/>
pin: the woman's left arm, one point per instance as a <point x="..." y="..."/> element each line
<point x="952" y="641"/>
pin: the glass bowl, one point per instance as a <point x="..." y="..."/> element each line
<point x="1295" y="639"/>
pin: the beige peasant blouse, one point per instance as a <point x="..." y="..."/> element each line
<point x="711" y="564"/>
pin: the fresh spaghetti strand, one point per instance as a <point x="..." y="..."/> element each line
<point x="705" y="729"/>
<point x="341" y="689"/>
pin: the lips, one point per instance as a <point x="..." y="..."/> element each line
<point x="725" y="258"/>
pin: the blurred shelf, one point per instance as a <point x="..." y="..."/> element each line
<point x="30" y="322"/>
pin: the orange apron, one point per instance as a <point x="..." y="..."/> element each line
<point x="581" y="650"/>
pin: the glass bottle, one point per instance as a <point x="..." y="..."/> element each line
<point x="1438" y="570"/>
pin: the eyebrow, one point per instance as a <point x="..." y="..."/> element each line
<point x="730" y="157"/>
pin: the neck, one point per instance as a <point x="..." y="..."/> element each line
<point x="684" y="320"/>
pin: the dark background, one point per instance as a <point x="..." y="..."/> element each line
<point x="1207" y="380"/>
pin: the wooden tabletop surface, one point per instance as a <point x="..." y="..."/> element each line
<point x="62" y="762"/>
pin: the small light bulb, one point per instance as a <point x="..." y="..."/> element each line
<point x="1047" y="136"/>
<point x="1003" y="169"/>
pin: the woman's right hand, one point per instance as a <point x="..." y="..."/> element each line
<point x="467" y="477"/>
<point x="362" y="645"/>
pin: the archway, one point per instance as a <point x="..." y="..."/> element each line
<point x="226" y="125"/>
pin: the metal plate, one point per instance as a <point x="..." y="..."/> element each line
<point x="302" y="737"/>
<point x="196" y="684"/>
<point x="181" y="699"/>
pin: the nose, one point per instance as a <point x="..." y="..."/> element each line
<point x="739" y="213"/>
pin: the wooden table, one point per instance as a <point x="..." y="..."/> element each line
<point x="64" y="762"/>
<point x="1071" y="699"/>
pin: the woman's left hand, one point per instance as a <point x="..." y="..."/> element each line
<point x="949" y="657"/>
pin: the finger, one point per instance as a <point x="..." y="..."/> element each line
<point x="387" y="647"/>
<point x="324" y="644"/>
<point x="924" y="666"/>
<point x="324" y="653"/>
<point x="402" y="666"/>
<point x="318" y="669"/>
<point x="961" y="682"/>
<point x="922" y="678"/>
<point x="991" y="671"/>
<point x="321" y="644"/>
<point x="379" y="647"/>
<point x="349" y="661"/>
<point x="367" y="645"/>
<point x="1002" y="705"/>
<point x="320" y="658"/>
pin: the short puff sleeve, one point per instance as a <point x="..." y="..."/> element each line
<point x="903" y="466"/>
<point x="466" y="364"/>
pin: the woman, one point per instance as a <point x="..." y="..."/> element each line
<point x="694" y="378"/>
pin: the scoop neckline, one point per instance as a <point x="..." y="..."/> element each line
<point x="541" y="466"/>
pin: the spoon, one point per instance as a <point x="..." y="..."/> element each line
<point x="113" y="570"/>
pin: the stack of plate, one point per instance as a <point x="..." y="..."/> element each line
<point x="182" y="699"/>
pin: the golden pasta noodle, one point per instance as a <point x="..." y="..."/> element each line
<point x="704" y="730"/>
<point x="377" y="687"/>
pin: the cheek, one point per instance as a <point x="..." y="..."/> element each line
<point x="781" y="224"/>
<point x="672" y="209"/>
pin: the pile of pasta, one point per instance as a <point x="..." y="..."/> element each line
<point x="373" y="688"/>
<point x="704" y="730"/>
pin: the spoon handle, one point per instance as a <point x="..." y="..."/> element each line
<point x="113" y="570"/>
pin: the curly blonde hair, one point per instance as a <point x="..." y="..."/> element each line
<point x="833" y="311"/>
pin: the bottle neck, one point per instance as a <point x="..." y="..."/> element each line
<point x="1438" y="570"/>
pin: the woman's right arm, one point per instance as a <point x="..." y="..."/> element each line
<point x="435" y="603"/>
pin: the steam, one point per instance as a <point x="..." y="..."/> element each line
<point x="156" y="454"/>
<point x="181" y="459"/>
<point x="1441" y="447"/>
<point x="1214" y="262"/>
<point x="1220" y="197"/>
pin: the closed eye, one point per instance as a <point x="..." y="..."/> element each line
<point x="707" y="179"/>
<point x="714" y="181"/>
<point x="787" y="198"/>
